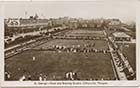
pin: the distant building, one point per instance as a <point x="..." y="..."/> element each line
<point x="115" y="22"/>
<point x="73" y="25"/>
<point x="121" y="36"/>
<point x="13" y="21"/>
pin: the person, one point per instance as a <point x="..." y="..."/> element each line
<point x="23" y="78"/>
<point x="34" y="58"/>
<point x="68" y="76"/>
<point x="102" y="79"/>
<point x="71" y="75"/>
<point x="7" y="75"/>
<point x="104" y="51"/>
<point x="45" y="77"/>
<point x="74" y="50"/>
<point x="40" y="77"/>
<point x="29" y="77"/>
<point x="64" y="47"/>
<point x="75" y="76"/>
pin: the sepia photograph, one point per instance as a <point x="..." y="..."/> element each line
<point x="70" y="41"/>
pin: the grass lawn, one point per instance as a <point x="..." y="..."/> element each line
<point x="90" y="65"/>
<point x="99" y="44"/>
<point x="55" y="65"/>
<point x="85" y="33"/>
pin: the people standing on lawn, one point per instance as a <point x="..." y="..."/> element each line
<point x="71" y="76"/>
<point x="40" y="77"/>
<point x="7" y="75"/>
<point x="87" y="48"/>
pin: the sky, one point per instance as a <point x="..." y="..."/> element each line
<point x="122" y="9"/>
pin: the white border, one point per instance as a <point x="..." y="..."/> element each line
<point x="138" y="41"/>
<point x="95" y="83"/>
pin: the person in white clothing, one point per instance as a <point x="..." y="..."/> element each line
<point x="34" y="58"/>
